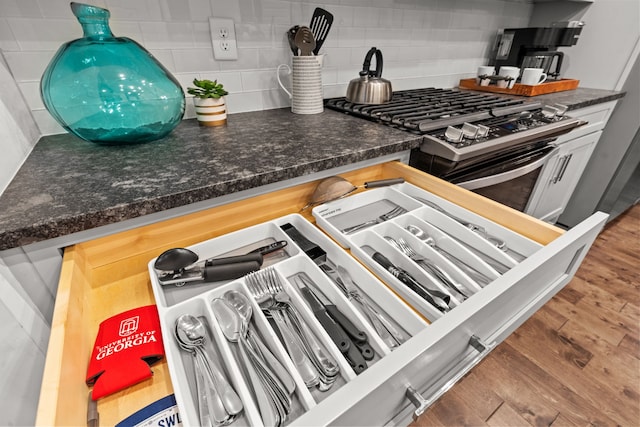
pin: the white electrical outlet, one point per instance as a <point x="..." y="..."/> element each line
<point x="223" y="39"/>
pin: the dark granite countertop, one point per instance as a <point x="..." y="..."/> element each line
<point x="67" y="185"/>
<point x="579" y="98"/>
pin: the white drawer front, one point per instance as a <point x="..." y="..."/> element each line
<point x="430" y="359"/>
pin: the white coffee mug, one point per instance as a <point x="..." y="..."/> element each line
<point x="484" y="70"/>
<point x="533" y="76"/>
<point x="509" y="72"/>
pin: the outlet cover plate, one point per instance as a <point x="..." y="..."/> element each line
<point x="223" y="39"/>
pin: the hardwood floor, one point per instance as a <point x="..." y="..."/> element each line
<point x="576" y="361"/>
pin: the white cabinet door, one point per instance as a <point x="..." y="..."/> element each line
<point x="561" y="177"/>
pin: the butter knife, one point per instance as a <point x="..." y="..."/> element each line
<point x="438" y="299"/>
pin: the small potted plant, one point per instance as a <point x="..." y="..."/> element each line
<point x="208" y="98"/>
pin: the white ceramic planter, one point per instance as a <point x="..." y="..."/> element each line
<point x="210" y="111"/>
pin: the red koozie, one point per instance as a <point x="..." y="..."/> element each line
<point x="126" y="346"/>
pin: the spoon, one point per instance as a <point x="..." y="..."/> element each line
<point x="191" y="333"/>
<point x="231" y="325"/>
<point x="480" y="278"/>
<point x="422" y="235"/>
<point x="305" y="41"/>
<point x="241" y="303"/>
<point x="209" y="401"/>
<point x="274" y="387"/>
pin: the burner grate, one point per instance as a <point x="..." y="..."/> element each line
<point x="423" y="110"/>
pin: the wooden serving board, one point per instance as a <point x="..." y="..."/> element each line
<point x="524" y="90"/>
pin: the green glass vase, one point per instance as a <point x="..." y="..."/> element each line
<point x="108" y="89"/>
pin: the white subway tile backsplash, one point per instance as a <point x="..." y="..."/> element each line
<point x="390" y="18"/>
<point x="186" y="80"/>
<point x="130" y="29"/>
<point x="20" y="8"/>
<point x="275" y="12"/>
<point x="247" y="60"/>
<point x="31" y="94"/>
<point x="226" y="9"/>
<point x="194" y="60"/>
<point x="272" y="57"/>
<point x="334" y="91"/>
<point x="366" y="16"/>
<point x="167" y="35"/>
<point x="275" y="98"/>
<point x="424" y="42"/>
<point x="351" y="37"/>
<point x="7" y="39"/>
<point x="46" y="123"/>
<point x="138" y="10"/>
<point x="258" y="80"/>
<point x="413" y="18"/>
<point x="39" y="34"/>
<point x="165" y="57"/>
<point x="201" y="34"/>
<point x="256" y="35"/>
<point x="232" y="81"/>
<point x="28" y="66"/>
<point x="245" y="101"/>
<point x="343" y="16"/>
<point x="59" y="8"/>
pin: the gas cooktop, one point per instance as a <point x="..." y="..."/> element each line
<point x="461" y="124"/>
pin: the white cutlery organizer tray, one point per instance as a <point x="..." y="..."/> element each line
<point x="336" y="216"/>
<point x="195" y="299"/>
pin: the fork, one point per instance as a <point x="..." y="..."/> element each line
<point x="478" y="229"/>
<point x="398" y="210"/>
<point x="426" y="264"/>
<point x="294" y="347"/>
<point x="266" y="287"/>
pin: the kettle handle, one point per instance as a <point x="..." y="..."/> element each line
<point x="367" y="63"/>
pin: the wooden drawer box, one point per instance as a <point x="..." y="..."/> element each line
<point x="109" y="275"/>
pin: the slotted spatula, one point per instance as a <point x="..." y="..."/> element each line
<point x="320" y="25"/>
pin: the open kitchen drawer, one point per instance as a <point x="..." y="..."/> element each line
<point x="109" y="275"/>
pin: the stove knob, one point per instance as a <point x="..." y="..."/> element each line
<point x="483" y="131"/>
<point x="561" y="109"/>
<point x="453" y="134"/>
<point x="469" y="131"/>
<point x="549" y="112"/>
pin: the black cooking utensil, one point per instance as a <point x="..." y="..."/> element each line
<point x="223" y="269"/>
<point x="175" y="259"/>
<point x="178" y="266"/>
<point x="291" y="37"/>
<point x="337" y="334"/>
<point x="321" y="22"/>
<point x="349" y="349"/>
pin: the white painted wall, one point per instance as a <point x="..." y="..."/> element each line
<point x="602" y="59"/>
<point x="612" y="29"/>
<point x="18" y="131"/>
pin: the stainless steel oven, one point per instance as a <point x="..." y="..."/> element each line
<point x="493" y="145"/>
<point x="510" y="178"/>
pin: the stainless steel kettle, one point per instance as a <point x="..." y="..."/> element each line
<point x="370" y="87"/>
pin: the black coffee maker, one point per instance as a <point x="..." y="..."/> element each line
<point x="536" y="47"/>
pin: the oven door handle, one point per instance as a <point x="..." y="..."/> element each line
<point x="509" y="175"/>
